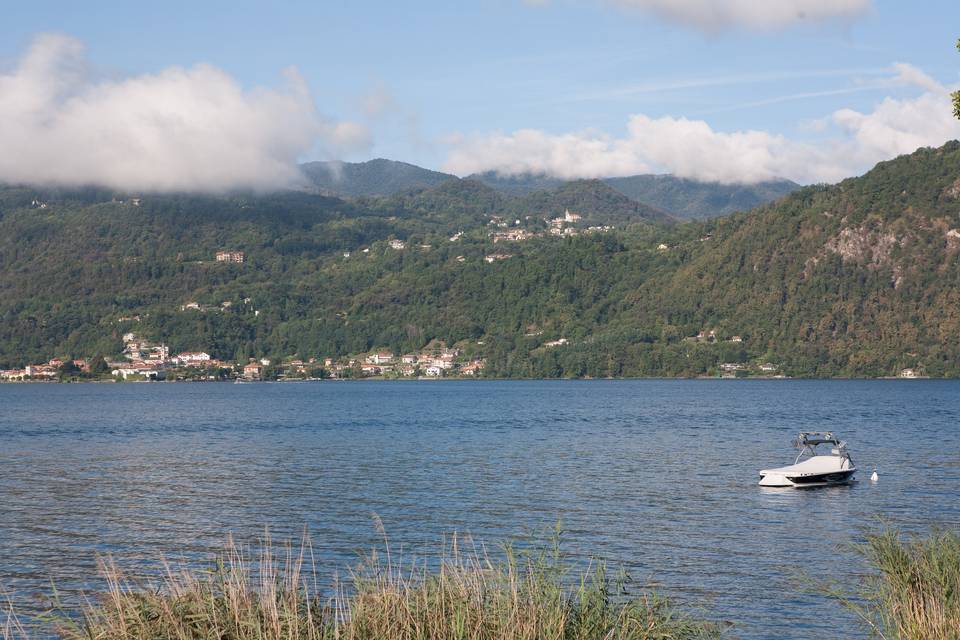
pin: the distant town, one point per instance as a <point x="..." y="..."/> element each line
<point x="145" y="360"/>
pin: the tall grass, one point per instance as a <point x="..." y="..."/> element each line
<point x="914" y="591"/>
<point x="465" y="596"/>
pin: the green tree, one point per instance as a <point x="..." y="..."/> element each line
<point x="99" y="366"/>
<point x="68" y="368"/>
<point x="956" y="94"/>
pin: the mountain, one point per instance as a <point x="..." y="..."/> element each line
<point x="692" y="199"/>
<point x="517" y="185"/>
<point x="378" y="177"/>
<point x="680" y="197"/>
<point x="597" y="202"/>
<point x="854" y="279"/>
<point x="452" y="197"/>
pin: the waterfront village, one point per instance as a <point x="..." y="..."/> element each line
<point x="147" y="361"/>
<point x="144" y="360"/>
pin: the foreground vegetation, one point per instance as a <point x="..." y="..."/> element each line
<point x="470" y="596"/>
<point x="913" y="592"/>
<point x="910" y="592"/>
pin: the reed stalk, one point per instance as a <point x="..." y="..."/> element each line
<point x="466" y="595"/>
<point x="913" y="590"/>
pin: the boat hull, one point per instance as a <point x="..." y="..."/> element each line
<point x="817" y="471"/>
<point x="802" y="481"/>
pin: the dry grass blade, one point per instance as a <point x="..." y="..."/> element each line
<point x="467" y="596"/>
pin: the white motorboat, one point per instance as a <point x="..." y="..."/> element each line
<point x="812" y="468"/>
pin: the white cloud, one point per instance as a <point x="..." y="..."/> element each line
<point x="693" y="149"/>
<point x="686" y="148"/>
<point x="713" y="15"/>
<point x="179" y="129"/>
<point x="910" y="75"/>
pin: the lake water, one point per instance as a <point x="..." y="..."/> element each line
<point x="658" y="477"/>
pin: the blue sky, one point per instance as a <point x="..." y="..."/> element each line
<point x="450" y="84"/>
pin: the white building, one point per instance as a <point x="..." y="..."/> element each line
<point x="193" y="358"/>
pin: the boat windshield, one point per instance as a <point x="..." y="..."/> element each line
<point x="808" y="441"/>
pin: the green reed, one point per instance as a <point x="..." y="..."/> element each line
<point x="913" y="590"/>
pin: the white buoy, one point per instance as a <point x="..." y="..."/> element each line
<point x="874" y="477"/>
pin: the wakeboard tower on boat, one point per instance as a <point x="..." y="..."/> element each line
<point x="816" y="469"/>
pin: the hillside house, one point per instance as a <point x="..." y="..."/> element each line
<point x="253" y="371"/>
<point x="40" y="371"/>
<point x="472" y="368"/>
<point x="380" y="357"/>
<point x="230" y="256"/>
<point x="513" y="235"/>
<point x="142" y="369"/>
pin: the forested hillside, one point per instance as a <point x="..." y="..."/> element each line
<point x="378" y="177"/>
<point x="859" y="278"/>
<point x="695" y="200"/>
<point x="679" y="197"/>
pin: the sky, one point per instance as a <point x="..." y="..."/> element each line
<point x="220" y="95"/>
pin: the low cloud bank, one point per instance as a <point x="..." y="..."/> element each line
<point x="693" y="149"/>
<point x="191" y="129"/>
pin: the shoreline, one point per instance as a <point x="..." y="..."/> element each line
<point x="472" y="379"/>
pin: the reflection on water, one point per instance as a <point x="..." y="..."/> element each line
<point x="656" y="476"/>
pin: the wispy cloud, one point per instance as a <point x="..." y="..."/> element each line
<point x="793" y="97"/>
<point x="719" y="15"/>
<point x="180" y="129"/>
<point x="669" y="85"/>
<point x="716" y="15"/>
<point x="903" y="75"/>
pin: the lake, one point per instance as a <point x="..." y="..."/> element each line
<point x="658" y="477"/>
